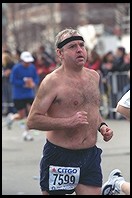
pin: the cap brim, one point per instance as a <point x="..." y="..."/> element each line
<point x="28" y="60"/>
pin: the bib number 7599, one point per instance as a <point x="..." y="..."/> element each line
<point x="63" y="177"/>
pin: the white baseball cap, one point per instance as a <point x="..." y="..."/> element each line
<point x="26" y="57"/>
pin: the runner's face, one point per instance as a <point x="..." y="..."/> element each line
<point x="75" y="52"/>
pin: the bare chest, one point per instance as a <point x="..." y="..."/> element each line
<point x="78" y="94"/>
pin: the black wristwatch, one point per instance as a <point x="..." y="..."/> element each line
<point x="102" y="123"/>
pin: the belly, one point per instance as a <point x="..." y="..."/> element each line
<point x="84" y="136"/>
<point x="78" y="138"/>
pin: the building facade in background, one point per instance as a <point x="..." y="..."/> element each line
<point x="27" y="25"/>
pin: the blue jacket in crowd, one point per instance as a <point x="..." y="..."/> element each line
<point x="19" y="72"/>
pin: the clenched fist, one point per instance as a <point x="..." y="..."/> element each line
<point x="80" y="118"/>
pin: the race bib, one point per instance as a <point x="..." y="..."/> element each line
<point x="63" y="178"/>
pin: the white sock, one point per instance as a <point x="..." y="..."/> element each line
<point x="119" y="183"/>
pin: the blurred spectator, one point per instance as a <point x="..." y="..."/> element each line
<point x="42" y="67"/>
<point x="107" y="63"/>
<point x="44" y="62"/>
<point x="17" y="55"/>
<point x="119" y="63"/>
<point x="105" y="67"/>
<point x="49" y="59"/>
<point x="24" y="79"/>
<point x="7" y="64"/>
<point x="114" y="63"/>
<point x="114" y="79"/>
<point x="126" y="66"/>
<point x="94" y="60"/>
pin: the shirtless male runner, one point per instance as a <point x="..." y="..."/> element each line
<point x="66" y="108"/>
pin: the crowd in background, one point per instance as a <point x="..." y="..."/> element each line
<point x="112" y="61"/>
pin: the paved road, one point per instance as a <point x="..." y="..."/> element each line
<point x="20" y="159"/>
